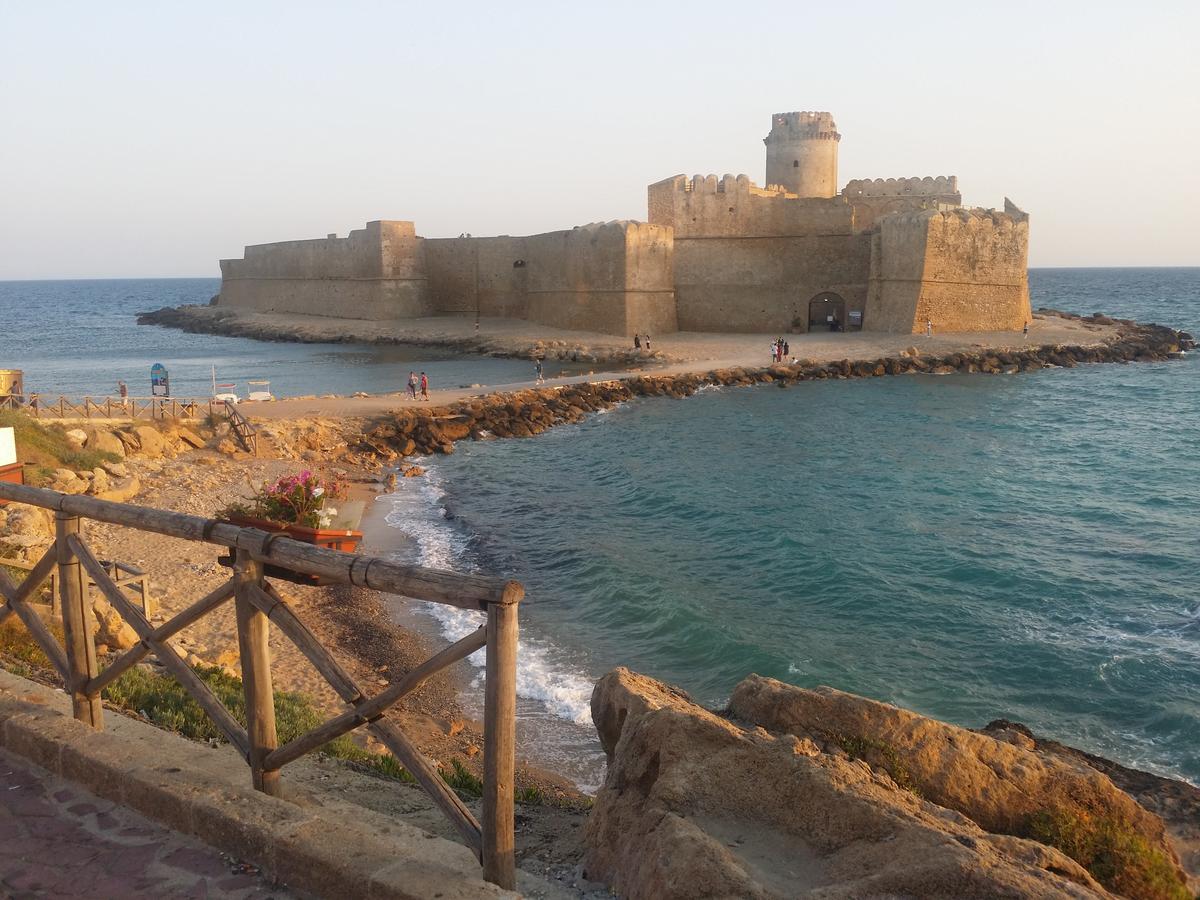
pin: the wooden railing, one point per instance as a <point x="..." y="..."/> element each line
<point x="111" y="408"/>
<point x="259" y="603"/>
<point x="242" y="429"/>
<point x="122" y="574"/>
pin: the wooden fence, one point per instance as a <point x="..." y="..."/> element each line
<point x="122" y="575"/>
<point x="146" y="408"/>
<point x="259" y="603"/>
<point x="242" y="429"/>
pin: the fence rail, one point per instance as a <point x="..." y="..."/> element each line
<point x="258" y="604"/>
<point x="242" y="429"/>
<point x="112" y="408"/>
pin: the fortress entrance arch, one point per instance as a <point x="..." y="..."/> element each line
<point x="824" y="310"/>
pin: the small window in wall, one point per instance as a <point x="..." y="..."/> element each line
<point x="795" y="163"/>
<point x="519" y="264"/>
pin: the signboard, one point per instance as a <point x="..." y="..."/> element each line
<point x="856" y="317"/>
<point x="160" y="381"/>
<point x="8" y="447"/>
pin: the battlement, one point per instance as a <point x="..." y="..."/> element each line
<point x="722" y="184"/>
<point x="900" y="187"/>
<point x="809" y="126"/>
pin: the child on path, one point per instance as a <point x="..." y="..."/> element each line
<point x="424" y="387"/>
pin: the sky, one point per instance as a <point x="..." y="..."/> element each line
<point x="153" y="139"/>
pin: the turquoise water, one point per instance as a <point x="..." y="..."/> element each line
<point x="79" y="337"/>
<point x="971" y="547"/>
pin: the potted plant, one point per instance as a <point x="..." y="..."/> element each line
<point x="301" y="506"/>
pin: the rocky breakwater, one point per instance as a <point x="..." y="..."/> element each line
<point x="422" y="431"/>
<point x="795" y="793"/>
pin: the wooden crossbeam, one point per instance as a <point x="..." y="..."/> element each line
<point x="166" y="630"/>
<point x="17" y="598"/>
<point x="166" y="654"/>
<point x="279" y="611"/>
<point x="366" y="711"/>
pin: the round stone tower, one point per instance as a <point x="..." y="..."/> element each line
<point x="802" y="153"/>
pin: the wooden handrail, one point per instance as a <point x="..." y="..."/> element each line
<point x="258" y="604"/>
<point x="451" y="588"/>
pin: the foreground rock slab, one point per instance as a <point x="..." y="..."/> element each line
<point x="697" y="805"/>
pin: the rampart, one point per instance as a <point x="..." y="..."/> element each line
<point x="962" y="270"/>
<point x="750" y="260"/>
<point x="376" y="272"/>
<point x="874" y="198"/>
<point x="612" y="277"/>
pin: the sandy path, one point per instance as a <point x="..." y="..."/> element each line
<point x="687" y="352"/>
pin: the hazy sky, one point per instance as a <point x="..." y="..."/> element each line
<point x="141" y="139"/>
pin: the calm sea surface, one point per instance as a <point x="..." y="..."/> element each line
<point x="971" y="547"/>
<point x="79" y="337"/>
<point x="968" y="546"/>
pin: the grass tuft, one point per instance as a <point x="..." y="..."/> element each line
<point x="1113" y="851"/>
<point x="45" y="448"/>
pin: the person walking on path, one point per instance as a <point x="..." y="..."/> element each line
<point x="412" y="385"/>
<point x="637" y="342"/>
<point x="424" y="386"/>
<point x="537" y="368"/>
<point x="929" y="328"/>
<point x="123" y="390"/>
<point x="1025" y="329"/>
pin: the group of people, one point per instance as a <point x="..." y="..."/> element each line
<point x="413" y="383"/>
<point x="780" y="350"/>
<point x="641" y="342"/>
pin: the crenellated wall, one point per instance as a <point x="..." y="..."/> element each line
<point x="874" y="198"/>
<point x="376" y="272"/>
<point x="750" y="260"/>
<point x="964" y="270"/>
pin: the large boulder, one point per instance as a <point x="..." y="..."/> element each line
<point x="693" y="805"/>
<point x="104" y="441"/>
<point x="150" y="441"/>
<point x="1002" y="786"/>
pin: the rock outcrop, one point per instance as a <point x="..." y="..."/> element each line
<point x="694" y="805"/>
<point x="1004" y="786"/>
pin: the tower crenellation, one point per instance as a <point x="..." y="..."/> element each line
<point x="802" y="153"/>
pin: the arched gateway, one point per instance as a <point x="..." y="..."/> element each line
<point x="827" y="312"/>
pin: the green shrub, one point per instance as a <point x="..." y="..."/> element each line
<point x="46" y="448"/>
<point x="1118" y="856"/>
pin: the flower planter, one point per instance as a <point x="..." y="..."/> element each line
<point x="330" y="538"/>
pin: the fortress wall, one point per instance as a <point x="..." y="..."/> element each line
<point x="708" y="206"/>
<point x="965" y="270"/>
<point x="893" y="187"/>
<point x="376" y="272"/>
<point x="466" y="274"/>
<point x="765" y="284"/>
<point x="614" y="278"/>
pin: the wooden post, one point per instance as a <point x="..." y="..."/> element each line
<point x="77" y="625"/>
<point x="499" y="745"/>
<point x="256" y="674"/>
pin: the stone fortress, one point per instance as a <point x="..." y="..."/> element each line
<point x="717" y="255"/>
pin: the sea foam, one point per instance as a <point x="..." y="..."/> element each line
<point x="418" y="510"/>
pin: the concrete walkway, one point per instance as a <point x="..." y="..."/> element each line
<point x="57" y="840"/>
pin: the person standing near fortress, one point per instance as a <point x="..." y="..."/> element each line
<point x="929" y="328"/>
<point x="412" y="385"/>
<point x="424" y="386"/>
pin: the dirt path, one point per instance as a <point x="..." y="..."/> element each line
<point x="685" y="353"/>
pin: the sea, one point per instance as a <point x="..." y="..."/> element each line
<point x="971" y="547"/>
